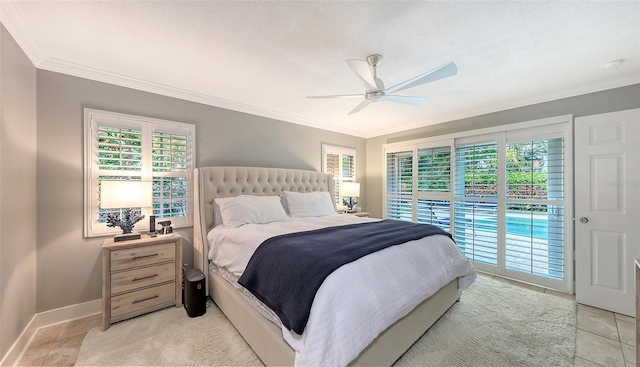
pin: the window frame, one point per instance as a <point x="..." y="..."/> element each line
<point x="560" y="126"/>
<point x="147" y="126"/>
<point x="341" y="151"/>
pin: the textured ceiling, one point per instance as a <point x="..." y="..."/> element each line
<point x="265" y="57"/>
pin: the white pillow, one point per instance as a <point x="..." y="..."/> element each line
<point x="309" y="204"/>
<point x="246" y="209"/>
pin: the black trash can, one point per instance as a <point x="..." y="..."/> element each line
<point x="194" y="295"/>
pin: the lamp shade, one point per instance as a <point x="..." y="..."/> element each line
<point x="351" y="189"/>
<point x="125" y="194"/>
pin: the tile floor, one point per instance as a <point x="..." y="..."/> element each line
<point x="58" y="345"/>
<point x="603" y="338"/>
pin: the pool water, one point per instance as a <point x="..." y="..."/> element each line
<point x="519" y="226"/>
<point x="528" y="226"/>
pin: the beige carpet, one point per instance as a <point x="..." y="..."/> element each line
<point x="495" y="324"/>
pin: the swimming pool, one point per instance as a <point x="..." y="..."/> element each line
<point x="528" y="226"/>
<point x="522" y="226"/>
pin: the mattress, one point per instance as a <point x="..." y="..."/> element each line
<point x="260" y="307"/>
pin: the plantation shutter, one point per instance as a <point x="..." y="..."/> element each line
<point x="349" y="167"/>
<point x="119" y="157"/>
<point x="119" y="149"/>
<point x="340" y="162"/>
<point x="170" y="160"/>
<point x="535" y="207"/>
<point x="435" y="212"/>
<point x="127" y="147"/>
<point x="332" y="166"/>
<point x="434" y="169"/>
<point x="475" y="206"/>
<point x="399" y="172"/>
<point x="500" y="193"/>
<point x="434" y="186"/>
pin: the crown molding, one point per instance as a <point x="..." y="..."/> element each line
<point x="65" y="67"/>
<point x="15" y="24"/>
<point x="567" y="93"/>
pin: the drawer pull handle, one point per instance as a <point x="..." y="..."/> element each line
<point x="145" y="256"/>
<point x="143" y="278"/>
<point x="146" y="299"/>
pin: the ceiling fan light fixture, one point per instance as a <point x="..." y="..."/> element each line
<point x="375" y="96"/>
<point x="375" y="91"/>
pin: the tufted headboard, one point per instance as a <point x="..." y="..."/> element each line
<point x="218" y="182"/>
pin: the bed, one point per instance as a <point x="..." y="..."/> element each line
<point x="264" y="336"/>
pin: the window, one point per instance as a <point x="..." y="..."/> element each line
<point x="126" y="147"/>
<point x="431" y="174"/>
<point x="501" y="192"/>
<point x="535" y="207"/>
<point x="476" y="193"/>
<point x="434" y="186"/>
<point x="341" y="163"/>
<point x="399" y="203"/>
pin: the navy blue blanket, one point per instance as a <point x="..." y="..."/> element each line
<point x="285" y="272"/>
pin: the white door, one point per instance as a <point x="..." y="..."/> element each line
<point x="607" y="203"/>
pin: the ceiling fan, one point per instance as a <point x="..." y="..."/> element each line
<point x="366" y="70"/>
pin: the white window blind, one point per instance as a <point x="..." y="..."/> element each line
<point x="127" y="147"/>
<point x="534" y="207"/>
<point x="399" y="173"/>
<point x="500" y="191"/>
<point x="434" y="169"/>
<point x="435" y="212"/>
<point x="341" y="163"/>
<point x="119" y="149"/>
<point x="476" y="189"/>
<point x="434" y="186"/>
<point x="170" y="160"/>
<point x="119" y="157"/>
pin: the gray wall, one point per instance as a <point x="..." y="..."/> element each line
<point x="589" y="104"/>
<point x="69" y="264"/>
<point x="17" y="191"/>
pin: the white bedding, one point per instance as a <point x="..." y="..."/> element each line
<point x="360" y="299"/>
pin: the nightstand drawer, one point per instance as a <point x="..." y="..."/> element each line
<point x="142" y="277"/>
<point x="144" y="298"/>
<point x="140" y="256"/>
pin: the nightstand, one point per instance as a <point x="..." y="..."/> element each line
<point x="362" y="214"/>
<point x="140" y="276"/>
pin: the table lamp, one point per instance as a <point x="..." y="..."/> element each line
<point x="125" y="195"/>
<point x="352" y="190"/>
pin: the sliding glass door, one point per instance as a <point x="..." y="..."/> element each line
<point x="535" y="207"/>
<point x="501" y="195"/>
<point x="475" y="208"/>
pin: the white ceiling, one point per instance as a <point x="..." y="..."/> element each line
<point x="265" y="57"/>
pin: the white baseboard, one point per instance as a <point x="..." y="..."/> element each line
<point x="20" y="346"/>
<point x="48" y="318"/>
<point x="68" y="313"/>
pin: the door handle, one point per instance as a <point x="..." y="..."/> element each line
<point x="584" y="220"/>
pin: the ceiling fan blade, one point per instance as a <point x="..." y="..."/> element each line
<point x="414" y="101"/>
<point x="441" y="72"/>
<point x="359" y="107"/>
<point x="362" y="70"/>
<point x="339" y="96"/>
